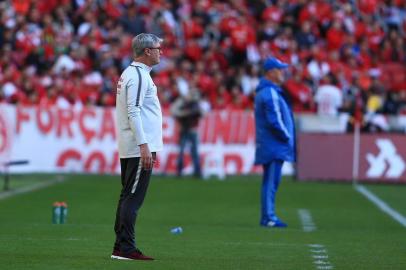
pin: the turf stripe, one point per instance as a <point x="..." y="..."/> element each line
<point x="307" y="220"/>
<point x="27" y="189"/>
<point x="383" y="206"/>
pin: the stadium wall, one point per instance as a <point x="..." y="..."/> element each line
<point x="83" y="140"/>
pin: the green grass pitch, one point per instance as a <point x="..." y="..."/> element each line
<point x="220" y="221"/>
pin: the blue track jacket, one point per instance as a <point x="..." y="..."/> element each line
<point x="274" y="125"/>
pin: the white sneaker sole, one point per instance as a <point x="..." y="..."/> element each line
<point x="120" y="258"/>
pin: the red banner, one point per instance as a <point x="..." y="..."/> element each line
<point x="382" y="157"/>
<point x="53" y="139"/>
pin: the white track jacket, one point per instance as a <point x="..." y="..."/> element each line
<point x="138" y="112"/>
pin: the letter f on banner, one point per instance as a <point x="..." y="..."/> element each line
<point x="387" y="159"/>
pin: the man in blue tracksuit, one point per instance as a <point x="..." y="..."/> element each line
<point x="275" y="136"/>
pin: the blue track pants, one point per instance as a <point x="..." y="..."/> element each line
<point x="270" y="183"/>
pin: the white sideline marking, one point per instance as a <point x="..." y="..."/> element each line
<point x="318" y="250"/>
<point x="259" y="244"/>
<point x="307" y="220"/>
<point x="42" y="239"/>
<point x="320" y="261"/>
<point x="320" y="256"/>
<point x="383" y="206"/>
<point x="315" y="245"/>
<point x="10" y="193"/>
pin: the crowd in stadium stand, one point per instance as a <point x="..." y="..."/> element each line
<point x="344" y="55"/>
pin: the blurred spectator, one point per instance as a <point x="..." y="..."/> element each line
<point x="328" y="97"/>
<point x="305" y="37"/>
<point x="133" y="22"/>
<point x="187" y="111"/>
<point x="249" y="79"/>
<point x="300" y="93"/>
<point x="392" y="15"/>
<point x="392" y="103"/>
<point x="374" y="119"/>
<point x="335" y="35"/>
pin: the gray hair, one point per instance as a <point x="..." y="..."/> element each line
<point x="142" y="41"/>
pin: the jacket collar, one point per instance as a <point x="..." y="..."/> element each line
<point x="142" y="65"/>
<point x="264" y="83"/>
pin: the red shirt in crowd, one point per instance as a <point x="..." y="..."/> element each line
<point x="21" y="6"/>
<point x="335" y="36"/>
<point x="368" y="7"/>
<point x="227" y="24"/>
<point x="318" y="10"/>
<point x="242" y="36"/>
<point x="50" y="5"/>
<point x="112" y="9"/>
<point x="375" y="35"/>
<point x="301" y="94"/>
<point x="193" y="50"/>
<point x="273" y="13"/>
<point x="192" y="29"/>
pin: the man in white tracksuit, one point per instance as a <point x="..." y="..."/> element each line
<point x="139" y="129"/>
